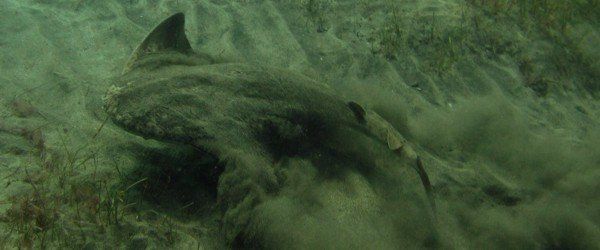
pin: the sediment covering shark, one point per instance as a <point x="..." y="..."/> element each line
<point x="256" y="119"/>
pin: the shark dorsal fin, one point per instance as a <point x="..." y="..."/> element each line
<point x="169" y="35"/>
<point x="359" y="111"/>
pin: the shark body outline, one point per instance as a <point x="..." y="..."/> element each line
<point x="247" y="115"/>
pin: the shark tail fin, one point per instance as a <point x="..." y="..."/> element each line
<point x="426" y="183"/>
<point x="169" y="35"/>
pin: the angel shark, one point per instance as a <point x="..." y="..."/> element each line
<point x="252" y="117"/>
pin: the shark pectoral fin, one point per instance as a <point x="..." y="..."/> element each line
<point x="359" y="111"/>
<point x="169" y="35"/>
<point x="394" y="142"/>
<point x="409" y="153"/>
<point x="382" y="129"/>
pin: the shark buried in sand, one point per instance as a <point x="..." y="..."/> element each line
<point x="251" y="117"/>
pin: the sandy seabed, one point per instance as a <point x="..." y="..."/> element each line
<point x="510" y="141"/>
